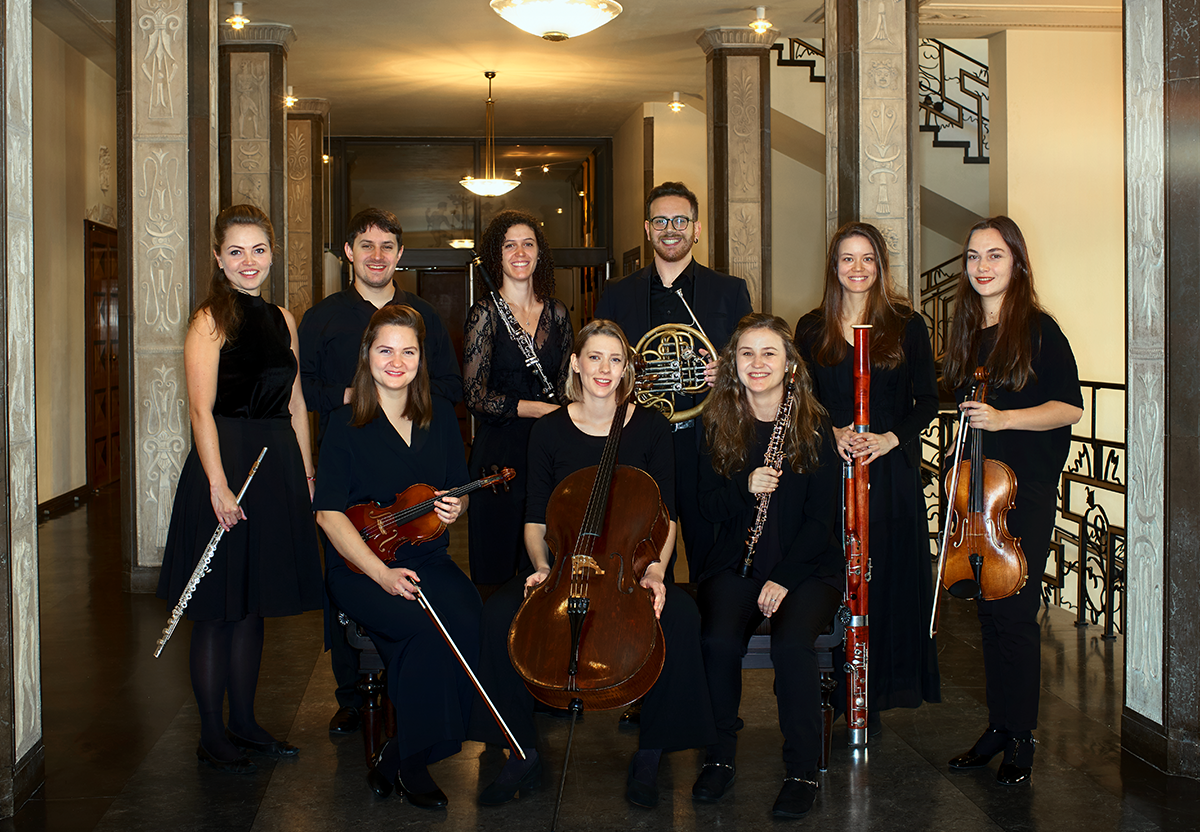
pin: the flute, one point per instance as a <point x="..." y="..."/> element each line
<point x="202" y="568"/>
<point x="856" y="517"/>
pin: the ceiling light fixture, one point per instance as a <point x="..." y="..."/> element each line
<point x="557" y="20"/>
<point x="760" y="24"/>
<point x="237" y="20"/>
<point x="489" y="185"/>
<point x="676" y="105"/>
<point x="289" y="100"/>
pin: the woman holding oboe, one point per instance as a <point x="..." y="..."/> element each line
<point x="505" y="394"/>
<point x="903" y="670"/>
<point x="796" y="576"/>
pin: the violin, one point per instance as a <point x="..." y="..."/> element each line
<point x="410" y="517"/>
<point x="979" y="559"/>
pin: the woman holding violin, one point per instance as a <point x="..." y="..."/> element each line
<point x="675" y="712"/>
<point x="796" y="576"/>
<point x="1033" y="399"/>
<point x="392" y="435"/>
<point x="904" y="400"/>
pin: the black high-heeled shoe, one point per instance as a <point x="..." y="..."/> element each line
<point x="279" y="749"/>
<point x="379" y="783"/>
<point x="1017" y="766"/>
<point x="981" y="753"/>
<point x="433" y="798"/>
<point x="499" y="792"/>
<point x="241" y="765"/>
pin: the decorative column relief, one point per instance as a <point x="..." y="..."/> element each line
<point x="306" y="224"/>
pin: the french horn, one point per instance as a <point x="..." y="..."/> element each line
<point x="668" y="363"/>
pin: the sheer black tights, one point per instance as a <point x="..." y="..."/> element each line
<point x="225" y="656"/>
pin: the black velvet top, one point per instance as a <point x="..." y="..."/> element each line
<point x="257" y="367"/>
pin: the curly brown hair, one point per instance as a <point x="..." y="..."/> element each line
<point x="221" y="302"/>
<point x="729" y="423"/>
<point x="493" y="241"/>
<point x="364" y="398"/>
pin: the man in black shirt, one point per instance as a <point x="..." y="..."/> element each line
<point x="330" y="334"/>
<point x="647" y="298"/>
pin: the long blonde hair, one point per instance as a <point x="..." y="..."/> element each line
<point x="573" y="388"/>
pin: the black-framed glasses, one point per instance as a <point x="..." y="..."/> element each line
<point x="678" y="223"/>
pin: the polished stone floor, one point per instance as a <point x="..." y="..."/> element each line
<point x="121" y="730"/>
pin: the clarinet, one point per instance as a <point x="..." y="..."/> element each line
<point x="773" y="458"/>
<point x="856" y="507"/>
<point x="522" y="338"/>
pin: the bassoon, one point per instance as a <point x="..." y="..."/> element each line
<point x="856" y="524"/>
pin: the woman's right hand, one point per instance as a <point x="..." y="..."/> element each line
<point x="540" y="575"/>
<point x="531" y="409"/>
<point x="763" y="480"/>
<point x="399" y="581"/>
<point x="225" y="506"/>
<point x="844" y="439"/>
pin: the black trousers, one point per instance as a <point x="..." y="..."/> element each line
<point x="1012" y="659"/>
<point x="675" y="713"/>
<point x="729" y="614"/>
<point x="697" y="531"/>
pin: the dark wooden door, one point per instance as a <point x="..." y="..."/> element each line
<point x="103" y="376"/>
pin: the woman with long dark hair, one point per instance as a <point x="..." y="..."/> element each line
<point x="797" y="577"/>
<point x="243" y="393"/>
<point x="904" y="400"/>
<point x="505" y="395"/>
<point x="1033" y="399"/>
<point x="390" y="436"/>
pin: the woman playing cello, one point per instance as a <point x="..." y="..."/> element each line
<point x="1033" y="400"/>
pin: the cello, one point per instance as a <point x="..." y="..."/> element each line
<point x="979" y="559"/>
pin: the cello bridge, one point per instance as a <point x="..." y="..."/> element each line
<point x="582" y="562"/>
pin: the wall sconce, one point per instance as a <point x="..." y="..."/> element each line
<point x="237" y="20"/>
<point x="760" y="24"/>
<point x="289" y="100"/>
<point x="676" y="105"/>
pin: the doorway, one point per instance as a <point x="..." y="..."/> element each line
<point x="103" y="367"/>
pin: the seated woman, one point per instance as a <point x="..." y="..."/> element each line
<point x="393" y="435"/>
<point x="675" y="713"/>
<point x="797" y="576"/>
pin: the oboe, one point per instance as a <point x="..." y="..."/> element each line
<point x="202" y="568"/>
<point x="523" y="339"/>
<point x="858" y="563"/>
<point x="773" y="458"/>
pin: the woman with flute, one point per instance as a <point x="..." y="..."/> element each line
<point x="796" y="576"/>
<point x="903" y="669"/>
<point x="1033" y="399"/>
<point x="505" y="394"/>
<point x="243" y="393"/>
<point x="393" y="435"/>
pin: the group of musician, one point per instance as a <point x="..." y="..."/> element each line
<point x="764" y="459"/>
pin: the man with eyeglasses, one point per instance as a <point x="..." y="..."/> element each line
<point x="647" y="298"/>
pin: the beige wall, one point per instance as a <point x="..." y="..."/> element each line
<point x="1057" y="169"/>
<point x="627" y="187"/>
<point x="74" y="114"/>
<point x="681" y="155"/>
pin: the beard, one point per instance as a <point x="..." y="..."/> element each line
<point x="675" y="253"/>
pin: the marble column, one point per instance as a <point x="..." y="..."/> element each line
<point x="1161" y="719"/>
<point x="871" y="126"/>
<point x="22" y="755"/>
<point x="739" y="156"/>
<point x="306" y="123"/>
<point x="166" y="63"/>
<point x="253" y="145"/>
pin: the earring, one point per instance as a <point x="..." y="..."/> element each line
<point x="695" y="240"/>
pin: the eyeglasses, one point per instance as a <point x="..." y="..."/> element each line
<point x="678" y="223"/>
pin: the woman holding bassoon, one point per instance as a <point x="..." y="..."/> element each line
<point x="1033" y="399"/>
<point x="393" y="435"/>
<point x="796" y="575"/>
<point x="903" y="669"/>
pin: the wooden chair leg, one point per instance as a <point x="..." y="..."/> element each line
<point x="828" y="685"/>
<point x="389" y="717"/>
<point x="371" y="686"/>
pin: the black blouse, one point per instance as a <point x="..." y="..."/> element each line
<point x="257" y="367"/>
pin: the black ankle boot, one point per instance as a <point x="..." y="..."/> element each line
<point x="985" y="748"/>
<point x="1017" y="766"/>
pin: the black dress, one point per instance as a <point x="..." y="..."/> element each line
<point x="267" y="564"/>
<point x="904" y="400"/>
<point x="495" y="378"/>
<point x="676" y="712"/>
<point x="431" y="692"/>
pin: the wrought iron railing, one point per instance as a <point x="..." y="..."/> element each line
<point x="803" y="53"/>
<point x="938" y="286"/>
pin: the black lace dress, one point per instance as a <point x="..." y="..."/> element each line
<point x="495" y="378"/>
<point x="268" y="563"/>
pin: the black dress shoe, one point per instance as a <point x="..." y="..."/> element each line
<point x="796" y="798"/>
<point x="241" y="765"/>
<point x="278" y="749"/>
<point x="379" y="780"/>
<point x="433" y="799"/>
<point x="1017" y="766"/>
<point x="498" y="793"/>
<point x="345" y="721"/>
<point x="714" y="779"/>
<point x="985" y="748"/>
<point x="640" y="793"/>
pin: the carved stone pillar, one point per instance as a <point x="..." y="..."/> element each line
<point x="306" y="190"/>
<point x="739" y="156"/>
<point x="22" y="756"/>
<point x="871" y="127"/>
<point x="253" y="147"/>
<point x="166" y="60"/>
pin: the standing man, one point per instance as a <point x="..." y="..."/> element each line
<point x="647" y="299"/>
<point x="330" y="334"/>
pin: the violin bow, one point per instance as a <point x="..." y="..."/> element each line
<point x="433" y="616"/>
<point x="960" y="442"/>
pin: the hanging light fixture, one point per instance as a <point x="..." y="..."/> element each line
<point x="557" y="20"/>
<point x="676" y="105"/>
<point x="760" y="24"/>
<point x="237" y="20"/>
<point x="489" y="185"/>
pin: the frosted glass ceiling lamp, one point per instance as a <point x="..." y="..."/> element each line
<point x="557" y="20"/>
<point x="489" y="185"/>
<point x="237" y="20"/>
<point x="760" y="24"/>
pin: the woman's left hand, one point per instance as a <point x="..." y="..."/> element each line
<point x="654" y="583"/>
<point x="872" y="445"/>
<point x="770" y="598"/>
<point x="447" y="508"/>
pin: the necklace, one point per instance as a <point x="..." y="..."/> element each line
<point x="528" y="323"/>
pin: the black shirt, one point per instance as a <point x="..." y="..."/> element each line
<point x="665" y="305"/>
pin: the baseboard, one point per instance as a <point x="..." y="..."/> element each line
<point x="64" y="502"/>
<point x="142" y="579"/>
<point x="27" y="776"/>
<point x="1144" y="739"/>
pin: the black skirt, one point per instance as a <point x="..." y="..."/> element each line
<point x="267" y="564"/>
